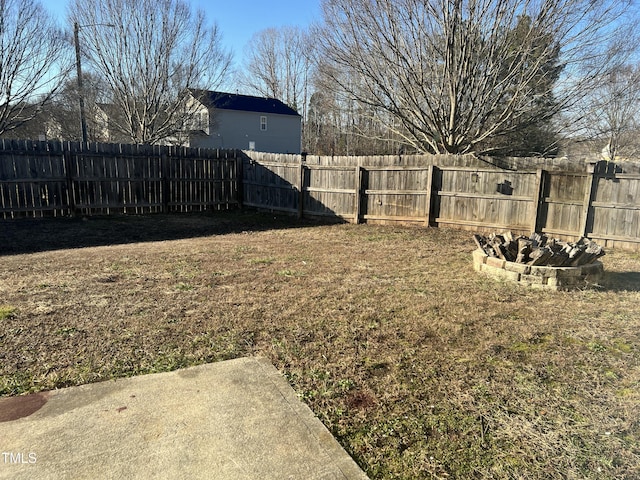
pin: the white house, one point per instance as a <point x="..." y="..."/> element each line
<point x="227" y="120"/>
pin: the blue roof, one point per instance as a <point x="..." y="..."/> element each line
<point x="246" y="103"/>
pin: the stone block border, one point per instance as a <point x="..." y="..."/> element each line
<point x="547" y="278"/>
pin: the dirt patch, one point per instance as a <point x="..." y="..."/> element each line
<point x="420" y="367"/>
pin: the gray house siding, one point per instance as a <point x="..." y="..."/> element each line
<point x="246" y="123"/>
<point x="238" y="129"/>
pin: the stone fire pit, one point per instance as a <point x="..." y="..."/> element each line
<point x="530" y="261"/>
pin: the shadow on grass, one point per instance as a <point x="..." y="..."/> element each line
<point x="621" y="281"/>
<point x="46" y="234"/>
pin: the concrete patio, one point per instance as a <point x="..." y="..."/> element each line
<point x="237" y="419"/>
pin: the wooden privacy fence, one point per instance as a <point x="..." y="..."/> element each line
<point x="54" y="179"/>
<point x="601" y="201"/>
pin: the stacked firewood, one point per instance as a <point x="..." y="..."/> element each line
<point x="539" y="250"/>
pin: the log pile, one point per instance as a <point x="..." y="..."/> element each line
<point x="539" y="250"/>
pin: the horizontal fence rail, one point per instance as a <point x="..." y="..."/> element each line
<point x="65" y="178"/>
<point x="597" y="200"/>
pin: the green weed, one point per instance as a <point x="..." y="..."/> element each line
<point x="262" y="261"/>
<point x="7" y="311"/>
<point x="184" y="287"/>
<point x="67" y="331"/>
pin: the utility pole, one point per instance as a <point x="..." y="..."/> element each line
<point x="83" y="121"/>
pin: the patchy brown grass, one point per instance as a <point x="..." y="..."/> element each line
<point x="419" y="366"/>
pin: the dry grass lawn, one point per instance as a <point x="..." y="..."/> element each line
<point x="419" y="366"/>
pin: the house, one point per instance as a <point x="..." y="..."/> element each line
<point x="35" y="123"/>
<point x="232" y="121"/>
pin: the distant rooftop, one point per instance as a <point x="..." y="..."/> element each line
<point x="246" y="103"/>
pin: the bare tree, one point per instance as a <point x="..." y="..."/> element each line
<point x="455" y="75"/>
<point x="278" y="65"/>
<point x="149" y="52"/>
<point x="338" y="125"/>
<point x="33" y="61"/>
<point x="62" y="111"/>
<point x="261" y="74"/>
<point x="611" y="113"/>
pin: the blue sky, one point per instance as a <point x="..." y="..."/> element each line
<point x="238" y="19"/>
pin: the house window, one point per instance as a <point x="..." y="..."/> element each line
<point x="263" y="123"/>
<point x="204" y="121"/>
<point x="199" y="121"/>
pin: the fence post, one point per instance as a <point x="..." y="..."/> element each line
<point x="538" y="200"/>
<point x="239" y="178"/>
<point x="358" y="199"/>
<point x="71" y="194"/>
<point x="589" y="195"/>
<point x="164" y="165"/>
<point x="301" y="187"/>
<point x="429" y="187"/>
